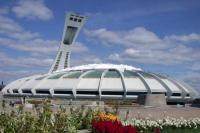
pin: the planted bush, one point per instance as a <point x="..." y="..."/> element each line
<point x="46" y="121"/>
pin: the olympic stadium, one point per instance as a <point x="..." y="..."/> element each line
<point x="95" y="81"/>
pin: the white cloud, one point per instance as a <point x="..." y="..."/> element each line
<point x="20" y="39"/>
<point x="32" y="9"/>
<point x="41" y="46"/>
<point x="12" y="29"/>
<point x="178" y="55"/>
<point x="79" y="47"/>
<point x="86" y="58"/>
<point x="8" y="76"/>
<point x="137" y="37"/>
<point x="28" y="62"/>
<point x="144" y="46"/>
<point x="183" y="38"/>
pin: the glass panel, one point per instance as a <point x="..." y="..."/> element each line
<point x="94" y="74"/>
<point x="26" y="91"/>
<point x="57" y="76"/>
<point x="135" y="93"/>
<point x="40" y="78"/>
<point x="161" y="76"/>
<point x="146" y="75"/>
<point x="130" y="74"/>
<point x="15" y="91"/>
<point x="74" y="75"/>
<point x="43" y="91"/>
<point x="112" y="74"/>
<point x="62" y="92"/>
<point x="88" y="92"/>
<point x="112" y="93"/>
<point x="176" y="94"/>
<point x="69" y="35"/>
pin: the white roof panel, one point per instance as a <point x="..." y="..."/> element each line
<point x="111" y="84"/>
<point x="171" y="86"/>
<point x="154" y="85"/>
<point x="134" y="84"/>
<point x="88" y="84"/>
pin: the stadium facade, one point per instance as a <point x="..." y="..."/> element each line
<point x="95" y="81"/>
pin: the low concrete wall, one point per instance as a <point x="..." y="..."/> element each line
<point x="155" y="100"/>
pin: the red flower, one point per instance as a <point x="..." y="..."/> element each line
<point x="112" y="127"/>
<point x="94" y="125"/>
<point x="130" y="129"/>
<point x="101" y="127"/>
<point x="157" y="130"/>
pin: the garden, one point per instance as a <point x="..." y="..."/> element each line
<point x="95" y="120"/>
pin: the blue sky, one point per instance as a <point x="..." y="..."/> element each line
<point x="157" y="36"/>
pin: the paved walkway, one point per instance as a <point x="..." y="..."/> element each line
<point x="159" y="113"/>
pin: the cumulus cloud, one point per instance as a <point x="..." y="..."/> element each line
<point x="79" y="47"/>
<point x="183" y="38"/>
<point x="7" y="61"/>
<point x="32" y="9"/>
<point x="170" y="57"/>
<point x="16" y="37"/>
<point x="8" y="76"/>
<point x="12" y="29"/>
<point x="85" y="59"/>
<point x="137" y="37"/>
<point x="33" y="45"/>
<point x="40" y="52"/>
<point x="144" y="46"/>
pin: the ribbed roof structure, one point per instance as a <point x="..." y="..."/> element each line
<point x="100" y="81"/>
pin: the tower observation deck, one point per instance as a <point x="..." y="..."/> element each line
<point x="73" y="24"/>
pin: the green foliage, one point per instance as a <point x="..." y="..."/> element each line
<point x="46" y="121"/>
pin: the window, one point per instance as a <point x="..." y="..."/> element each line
<point x="57" y="76"/>
<point x="94" y="74"/>
<point x="112" y="93"/>
<point x="62" y="92"/>
<point x="74" y="75"/>
<point x="66" y="60"/>
<point x="40" y="78"/>
<point x="130" y="74"/>
<point x="15" y="91"/>
<point x="187" y="95"/>
<point x="135" y="93"/>
<point x="160" y="76"/>
<point x="57" y="61"/>
<point x="79" y="20"/>
<point x="112" y="74"/>
<point x="75" y="19"/>
<point x="88" y="92"/>
<point x="158" y="92"/>
<point x="69" y="35"/>
<point x="176" y="94"/>
<point x="43" y="91"/>
<point x="26" y="91"/>
<point x="146" y="75"/>
<point x="71" y="18"/>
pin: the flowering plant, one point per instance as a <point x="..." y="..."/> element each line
<point x="109" y="123"/>
<point x="111" y="127"/>
<point x="107" y="117"/>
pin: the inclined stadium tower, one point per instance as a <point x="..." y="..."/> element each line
<point x="95" y="81"/>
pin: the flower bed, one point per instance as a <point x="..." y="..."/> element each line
<point x="45" y="120"/>
<point x="109" y="123"/>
